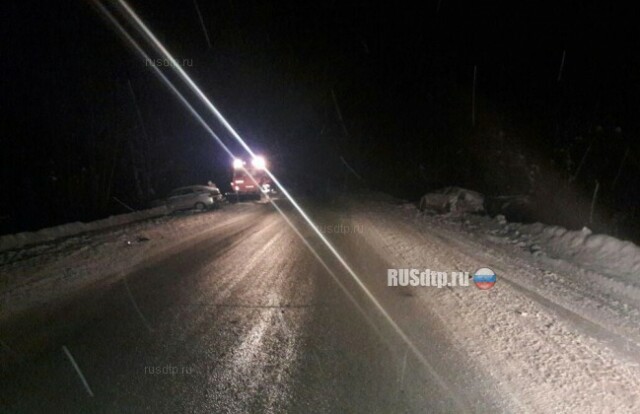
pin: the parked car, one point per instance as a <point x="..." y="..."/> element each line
<point x="199" y="197"/>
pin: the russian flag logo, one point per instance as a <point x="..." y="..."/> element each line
<point x="484" y="278"/>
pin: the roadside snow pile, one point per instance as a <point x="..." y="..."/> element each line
<point x="19" y="240"/>
<point x="598" y="252"/>
<point x="453" y="200"/>
<point x="594" y="250"/>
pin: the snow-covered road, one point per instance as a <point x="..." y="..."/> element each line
<point x="556" y="337"/>
<point x="250" y="321"/>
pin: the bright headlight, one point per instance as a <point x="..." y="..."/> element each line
<point x="259" y="163"/>
<point x="237" y="163"/>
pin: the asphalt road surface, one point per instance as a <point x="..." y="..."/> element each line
<point x="244" y="320"/>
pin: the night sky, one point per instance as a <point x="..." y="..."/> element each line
<point x="84" y="120"/>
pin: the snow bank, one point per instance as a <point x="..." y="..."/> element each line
<point x="19" y="240"/>
<point x="595" y="250"/>
<point x="598" y="252"/>
<point x="453" y="200"/>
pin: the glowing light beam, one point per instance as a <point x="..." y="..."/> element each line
<point x="137" y="22"/>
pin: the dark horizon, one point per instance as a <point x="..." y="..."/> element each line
<point x="86" y="121"/>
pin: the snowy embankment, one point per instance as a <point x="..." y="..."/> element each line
<point x="19" y="240"/>
<point x="555" y="334"/>
<point x="595" y="251"/>
<point x="40" y="273"/>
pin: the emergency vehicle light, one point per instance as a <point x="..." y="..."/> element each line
<point x="259" y="163"/>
